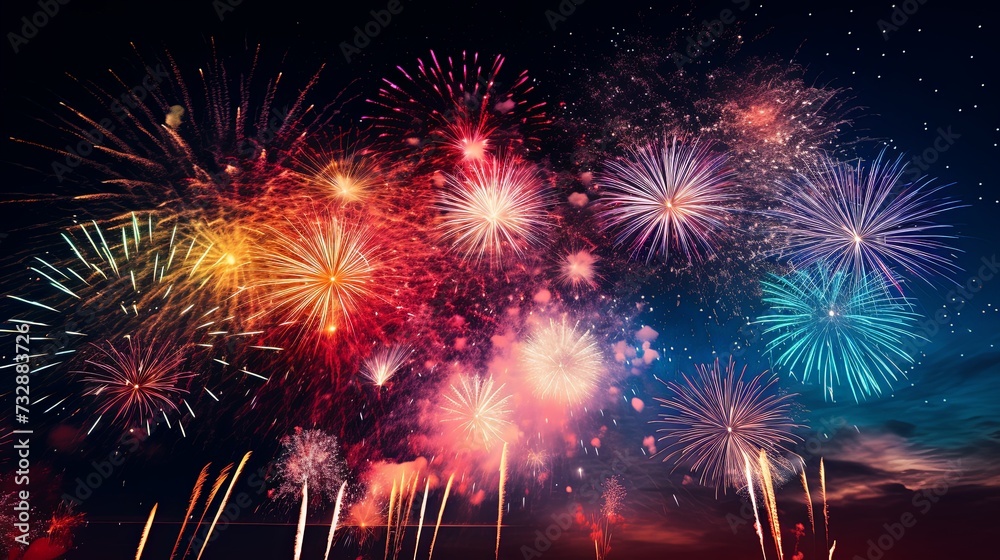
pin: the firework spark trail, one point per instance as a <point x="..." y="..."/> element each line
<point x="832" y="548"/>
<point x="400" y="523"/>
<point x="222" y="504"/>
<point x="602" y="539"/>
<point x="437" y="526"/>
<point x="809" y="503"/>
<point x="195" y="494"/>
<point x="409" y="510"/>
<point x="403" y="517"/>
<point x="753" y="502"/>
<point x="503" y="495"/>
<point x="336" y="517"/>
<point x="388" y="521"/>
<point x="420" y="524"/>
<point x="300" y="530"/>
<point x="145" y="532"/>
<point x="216" y="486"/>
<point x="770" y="501"/>
<point x="826" y="509"/>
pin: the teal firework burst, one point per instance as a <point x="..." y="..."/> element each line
<point x="846" y="333"/>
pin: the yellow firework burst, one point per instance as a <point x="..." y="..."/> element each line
<point x="318" y="273"/>
<point x="219" y="255"/>
<point x="343" y="177"/>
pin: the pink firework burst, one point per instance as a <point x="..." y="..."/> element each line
<point x="458" y="104"/>
<point x="135" y="381"/>
<point x="668" y="195"/>
<point x="478" y="411"/>
<point x="310" y="457"/>
<point x="613" y="498"/>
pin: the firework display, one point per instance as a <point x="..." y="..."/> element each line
<point x="443" y="301"/>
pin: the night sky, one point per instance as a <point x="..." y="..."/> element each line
<point x="929" y="448"/>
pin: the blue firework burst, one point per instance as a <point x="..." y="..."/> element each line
<point x="844" y="332"/>
<point x="867" y="219"/>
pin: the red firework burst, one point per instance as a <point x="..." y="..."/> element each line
<point x="135" y="381"/>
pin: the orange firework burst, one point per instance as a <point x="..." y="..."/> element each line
<point x="136" y="381"/>
<point x="220" y="254"/>
<point x="318" y="273"/>
<point x="344" y="176"/>
<point x="364" y="517"/>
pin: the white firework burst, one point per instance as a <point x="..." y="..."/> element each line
<point x="668" y="196"/>
<point x="494" y="208"/>
<point x="479" y="411"/>
<point x="578" y="269"/>
<point x="384" y="364"/>
<point x="562" y="363"/>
